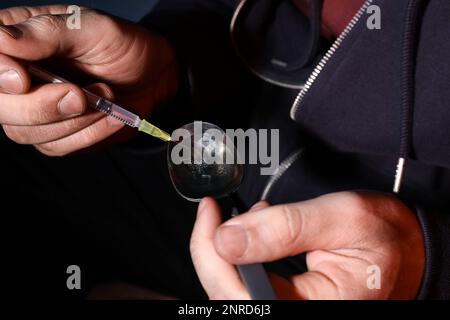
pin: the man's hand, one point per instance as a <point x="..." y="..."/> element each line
<point x="343" y="235"/>
<point x="138" y="66"/>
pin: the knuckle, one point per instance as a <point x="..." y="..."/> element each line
<point x="71" y="126"/>
<point x="370" y="211"/>
<point x="112" y="26"/>
<point x="367" y="208"/>
<point x="358" y="206"/>
<point x="43" y="107"/>
<point x="355" y="200"/>
<point x="88" y="135"/>
<point x="10" y="132"/>
<point x="6" y="17"/>
<point x="37" y="114"/>
<point x="50" y="149"/>
<point x="28" y="12"/>
<point x="290" y="226"/>
<point x="16" y="134"/>
<point x="48" y="22"/>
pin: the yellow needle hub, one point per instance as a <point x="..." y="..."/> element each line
<point x="154" y="131"/>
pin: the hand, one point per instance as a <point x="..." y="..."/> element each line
<point x="343" y="235"/>
<point x="137" y="65"/>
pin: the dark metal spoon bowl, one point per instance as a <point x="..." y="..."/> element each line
<point x="197" y="177"/>
<point x="194" y="181"/>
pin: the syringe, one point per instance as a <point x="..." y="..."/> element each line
<point x="104" y="105"/>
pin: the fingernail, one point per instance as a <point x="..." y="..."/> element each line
<point x="115" y="122"/>
<point x="11" y="81"/>
<point x="12" y="31"/>
<point x="70" y="105"/>
<point x="233" y="240"/>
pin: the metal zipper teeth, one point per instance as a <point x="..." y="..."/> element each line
<point x="282" y="168"/>
<point x="321" y="65"/>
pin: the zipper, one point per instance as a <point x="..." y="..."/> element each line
<point x="287" y="163"/>
<point x="330" y="53"/>
<point x="279" y="171"/>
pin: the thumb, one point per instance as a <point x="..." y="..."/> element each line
<point x="219" y="279"/>
<point x="327" y="222"/>
<point x="40" y="37"/>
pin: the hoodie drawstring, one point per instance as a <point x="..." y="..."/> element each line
<point x="409" y="48"/>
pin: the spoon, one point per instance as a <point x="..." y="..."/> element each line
<point x="199" y="166"/>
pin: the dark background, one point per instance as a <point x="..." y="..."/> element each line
<point x="132" y="9"/>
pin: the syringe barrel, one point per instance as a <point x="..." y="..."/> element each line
<point x="94" y="101"/>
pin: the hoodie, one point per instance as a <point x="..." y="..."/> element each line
<point x="369" y="110"/>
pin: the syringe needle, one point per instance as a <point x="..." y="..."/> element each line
<point x="104" y="105"/>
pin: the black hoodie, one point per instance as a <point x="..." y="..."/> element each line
<point x="348" y="111"/>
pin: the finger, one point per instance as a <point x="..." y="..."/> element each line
<point x="327" y="222"/>
<point x="44" y="104"/>
<point x="51" y="132"/>
<point x="89" y="136"/>
<point x="219" y="278"/>
<point x="102" y="90"/>
<point x="16" y="15"/>
<point x="41" y="134"/>
<point x="315" y="285"/>
<point x="43" y="36"/>
<point x="13" y="77"/>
